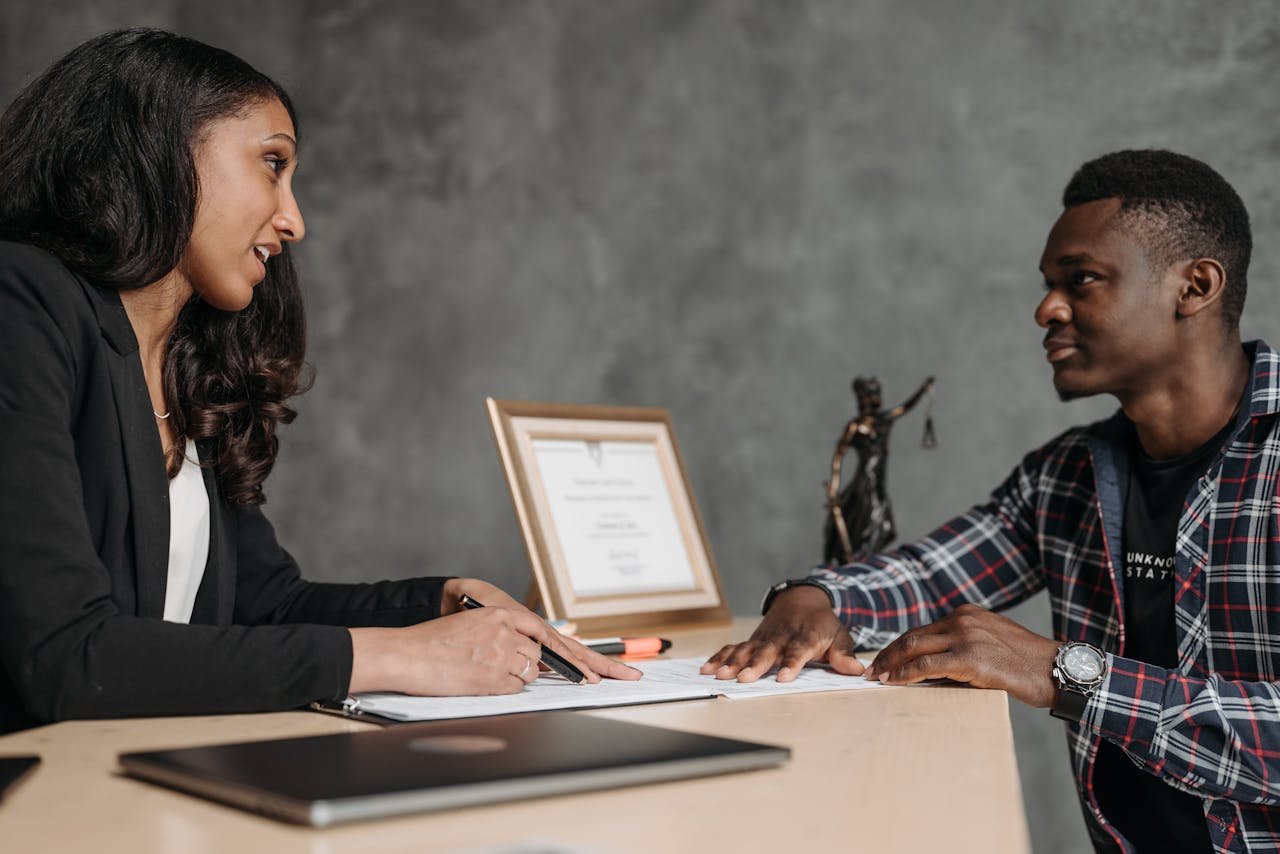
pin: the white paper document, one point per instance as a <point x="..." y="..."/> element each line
<point x="664" y="680"/>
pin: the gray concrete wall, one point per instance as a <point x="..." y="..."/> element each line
<point x="722" y="208"/>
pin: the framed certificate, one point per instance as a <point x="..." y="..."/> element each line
<point x="611" y="528"/>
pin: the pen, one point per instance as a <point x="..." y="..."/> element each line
<point x="628" y="646"/>
<point x="550" y="657"/>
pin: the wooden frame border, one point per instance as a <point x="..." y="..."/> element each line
<point x="515" y="423"/>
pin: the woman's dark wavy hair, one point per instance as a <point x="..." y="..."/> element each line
<point x="97" y="166"/>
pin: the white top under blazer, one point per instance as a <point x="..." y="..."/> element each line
<point x="188" y="537"/>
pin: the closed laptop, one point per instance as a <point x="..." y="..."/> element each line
<point x="323" y="780"/>
<point x="13" y="769"/>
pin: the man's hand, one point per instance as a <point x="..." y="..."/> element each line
<point x="976" y="646"/>
<point x="799" y="628"/>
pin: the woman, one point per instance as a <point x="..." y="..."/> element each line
<point x="152" y="333"/>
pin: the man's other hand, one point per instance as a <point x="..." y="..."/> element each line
<point x="975" y="646"/>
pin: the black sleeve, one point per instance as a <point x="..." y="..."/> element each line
<point x="65" y="648"/>
<point x="269" y="588"/>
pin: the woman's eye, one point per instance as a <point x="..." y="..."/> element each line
<point x="277" y="164"/>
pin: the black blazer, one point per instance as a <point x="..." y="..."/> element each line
<point x="84" y="540"/>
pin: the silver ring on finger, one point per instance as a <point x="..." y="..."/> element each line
<point x="525" y="669"/>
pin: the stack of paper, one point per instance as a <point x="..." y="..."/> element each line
<point x="664" y="680"/>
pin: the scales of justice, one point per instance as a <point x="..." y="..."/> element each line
<point x="860" y="516"/>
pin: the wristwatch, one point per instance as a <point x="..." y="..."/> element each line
<point x="1078" y="670"/>
<point x="787" y="585"/>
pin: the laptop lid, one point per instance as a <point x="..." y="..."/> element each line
<point x="323" y="780"/>
<point x="13" y="769"/>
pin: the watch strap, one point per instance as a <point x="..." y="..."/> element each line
<point x="787" y="585"/>
<point x="1068" y="705"/>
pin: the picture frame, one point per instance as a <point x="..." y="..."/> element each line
<point x="613" y="534"/>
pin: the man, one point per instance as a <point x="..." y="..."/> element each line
<point x="1155" y="532"/>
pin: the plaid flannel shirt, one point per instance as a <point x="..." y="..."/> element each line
<point x="1211" y="726"/>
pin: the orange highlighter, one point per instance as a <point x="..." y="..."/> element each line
<point x="628" y="647"/>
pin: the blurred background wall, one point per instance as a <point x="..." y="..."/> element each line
<point x="726" y="209"/>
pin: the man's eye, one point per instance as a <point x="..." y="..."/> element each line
<point x="1082" y="278"/>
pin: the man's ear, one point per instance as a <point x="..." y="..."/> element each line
<point x="1202" y="284"/>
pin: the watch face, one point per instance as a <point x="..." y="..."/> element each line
<point x="1082" y="663"/>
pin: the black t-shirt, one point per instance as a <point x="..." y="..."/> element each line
<point x="1150" y="813"/>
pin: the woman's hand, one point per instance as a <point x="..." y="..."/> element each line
<point x="483" y="592"/>
<point x="592" y="664"/>
<point x="491" y="650"/>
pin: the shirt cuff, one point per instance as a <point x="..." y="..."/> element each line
<point x="853" y="606"/>
<point x="1127" y="707"/>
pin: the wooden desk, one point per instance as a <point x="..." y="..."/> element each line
<point x="899" y="770"/>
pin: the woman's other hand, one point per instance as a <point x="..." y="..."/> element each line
<point x="491" y="650"/>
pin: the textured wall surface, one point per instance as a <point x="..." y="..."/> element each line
<point x="722" y="208"/>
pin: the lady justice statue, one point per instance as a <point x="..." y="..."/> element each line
<point x="860" y="517"/>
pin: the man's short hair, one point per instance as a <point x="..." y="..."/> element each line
<point x="1179" y="209"/>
